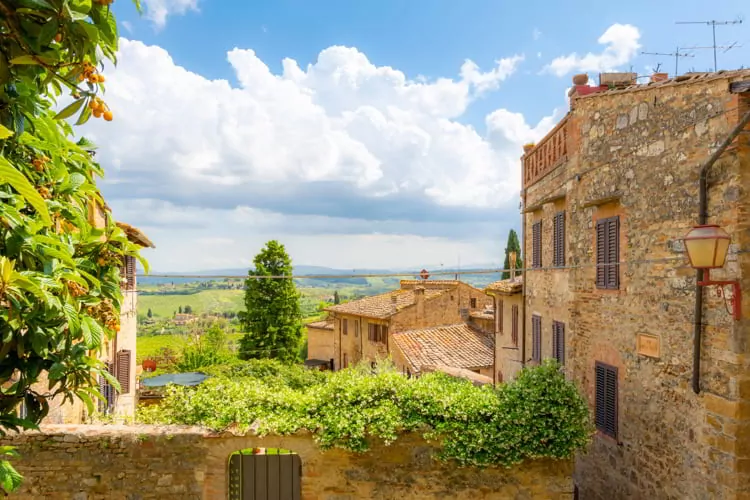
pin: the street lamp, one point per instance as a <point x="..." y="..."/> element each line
<point x="707" y="247"/>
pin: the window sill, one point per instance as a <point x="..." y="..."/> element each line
<point x="515" y="348"/>
<point x="607" y="438"/>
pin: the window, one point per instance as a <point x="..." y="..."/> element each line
<point x="514" y="325"/>
<point x="536" y="339"/>
<point x="345" y="326"/>
<point x="473" y="303"/>
<point x="558" y="249"/>
<point x="377" y="333"/>
<point x="558" y="341"/>
<point x="608" y="253"/>
<point x="123" y="371"/>
<point x="127" y="273"/>
<point x="356" y="328"/>
<point x="107" y="391"/>
<point x="536" y="243"/>
<point x="606" y="399"/>
<point x="346" y="361"/>
<point x="499" y="316"/>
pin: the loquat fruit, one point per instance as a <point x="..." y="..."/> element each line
<point x="108" y="116"/>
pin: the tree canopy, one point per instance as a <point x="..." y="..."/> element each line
<point x="59" y="273"/>
<point x="272" y="317"/>
<point x="513" y="245"/>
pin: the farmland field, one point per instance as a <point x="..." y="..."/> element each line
<point x="164" y="305"/>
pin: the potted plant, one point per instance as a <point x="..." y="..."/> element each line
<point x="528" y="147"/>
<point x="580" y="79"/>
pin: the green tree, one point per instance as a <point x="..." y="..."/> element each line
<point x="512" y="246"/>
<point x="59" y="274"/>
<point x="336" y="298"/>
<point x="187" y="309"/>
<point x="149" y="313"/>
<point x="180" y="309"/>
<point x="272" y="316"/>
<point x="216" y="338"/>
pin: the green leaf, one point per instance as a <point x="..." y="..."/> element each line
<point x="74" y="322"/>
<point x="86" y="331"/>
<point x="39" y="4"/>
<point x="5" y="132"/>
<point x="95" y="330"/>
<point x="56" y="371"/>
<point x="85" y="114"/>
<point x="10" y="479"/>
<point x="70" y="109"/>
<point x="20" y="183"/>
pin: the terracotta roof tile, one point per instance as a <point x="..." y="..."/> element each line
<point x="135" y="235"/>
<point x="326" y="324"/>
<point x="458" y="346"/>
<point x="506" y="286"/>
<point x="382" y="306"/>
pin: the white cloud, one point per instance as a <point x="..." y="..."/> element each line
<point x="337" y="149"/>
<point x="157" y="11"/>
<point x="621" y="46"/>
<point x="128" y="27"/>
<point x="536" y="34"/>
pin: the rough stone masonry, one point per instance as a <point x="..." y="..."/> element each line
<point x="82" y="462"/>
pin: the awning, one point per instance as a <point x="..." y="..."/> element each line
<point x="185" y="379"/>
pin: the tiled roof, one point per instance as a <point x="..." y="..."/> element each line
<point x="678" y="80"/>
<point x="382" y="306"/>
<point x="135" y="235"/>
<point x="431" y="283"/>
<point x="469" y="375"/>
<point x="506" y="286"/>
<point x="326" y="324"/>
<point x="457" y="346"/>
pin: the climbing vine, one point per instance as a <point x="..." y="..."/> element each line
<point x="539" y="415"/>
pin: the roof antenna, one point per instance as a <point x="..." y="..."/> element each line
<point x="713" y="25"/>
<point x="676" y="54"/>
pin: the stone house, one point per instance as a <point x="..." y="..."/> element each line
<point x="362" y="328"/>
<point x="506" y="326"/>
<point x="608" y="195"/>
<point x="320" y="340"/>
<point x="118" y="353"/>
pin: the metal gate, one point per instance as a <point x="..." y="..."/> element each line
<point x="265" y="475"/>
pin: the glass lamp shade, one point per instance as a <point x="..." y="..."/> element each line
<point x="707" y="247"/>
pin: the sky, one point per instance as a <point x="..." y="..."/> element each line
<point x="360" y="134"/>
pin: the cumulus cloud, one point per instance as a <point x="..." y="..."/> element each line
<point x="620" y="47"/>
<point x="340" y="147"/>
<point x="157" y="11"/>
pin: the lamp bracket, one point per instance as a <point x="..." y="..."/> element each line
<point x="734" y="302"/>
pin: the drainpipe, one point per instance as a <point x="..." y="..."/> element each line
<point x="523" y="285"/>
<point x="702" y="218"/>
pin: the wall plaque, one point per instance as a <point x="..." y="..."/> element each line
<point x="649" y="345"/>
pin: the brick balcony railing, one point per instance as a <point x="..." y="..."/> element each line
<point x="548" y="154"/>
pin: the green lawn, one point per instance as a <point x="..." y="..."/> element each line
<point x="147" y="346"/>
<point x="205" y="301"/>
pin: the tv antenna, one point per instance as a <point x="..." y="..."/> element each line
<point x="713" y="25"/>
<point x="676" y="54"/>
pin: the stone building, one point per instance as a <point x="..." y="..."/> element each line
<point x="506" y="326"/>
<point x="320" y="340"/>
<point x="362" y="328"/>
<point x="608" y="195"/>
<point x="118" y="352"/>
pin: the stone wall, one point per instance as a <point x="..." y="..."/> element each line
<point x="508" y="360"/>
<point x="637" y="154"/>
<point x="114" y="462"/>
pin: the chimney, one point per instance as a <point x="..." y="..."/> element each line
<point x="419" y="301"/>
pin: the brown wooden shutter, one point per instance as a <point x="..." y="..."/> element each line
<point x="123" y="371"/>
<point x="606" y="399"/>
<point x="536" y="339"/>
<point x="601" y="255"/>
<point x="559" y="240"/>
<point x="613" y="253"/>
<point x="499" y="315"/>
<point x="107" y="392"/>
<point x="345" y="326"/>
<point x="558" y="341"/>
<point x="536" y="243"/>
<point x="514" y="325"/>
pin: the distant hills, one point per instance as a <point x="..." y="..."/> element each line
<point x="305" y="270"/>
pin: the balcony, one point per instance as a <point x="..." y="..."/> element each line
<point x="547" y="155"/>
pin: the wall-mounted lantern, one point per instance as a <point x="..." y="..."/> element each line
<point x="512" y="261"/>
<point x="707" y="247"/>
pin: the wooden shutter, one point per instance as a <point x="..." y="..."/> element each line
<point x="514" y="325"/>
<point x="107" y="391"/>
<point x="536" y="339"/>
<point x="384" y="332"/>
<point x="127" y="273"/>
<point x="346" y="360"/>
<point x="613" y="253"/>
<point x="123" y="371"/>
<point x="558" y="341"/>
<point x="606" y="399"/>
<point x="559" y="240"/>
<point x="499" y="315"/>
<point x="473" y="303"/>
<point x="345" y="326"/>
<point x="608" y="253"/>
<point x="601" y="233"/>
<point x="536" y="243"/>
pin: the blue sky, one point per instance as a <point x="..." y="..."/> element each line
<point x="347" y="163"/>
